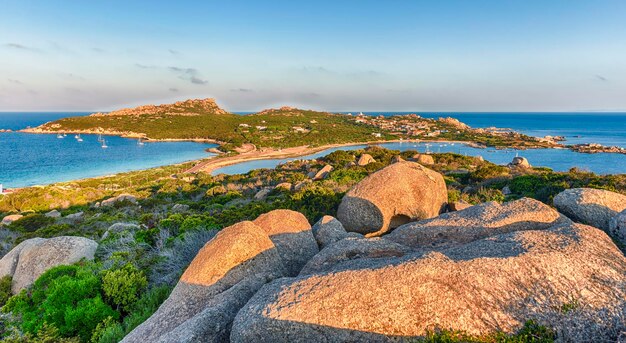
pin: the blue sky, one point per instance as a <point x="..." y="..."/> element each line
<point x="523" y="55"/>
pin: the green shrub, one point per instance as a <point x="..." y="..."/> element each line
<point x="5" y="289"/>
<point x="531" y="332"/>
<point x="123" y="286"/>
<point x="31" y="223"/>
<point x="489" y="171"/>
<point x="67" y="297"/>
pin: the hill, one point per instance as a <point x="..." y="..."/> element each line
<point x="203" y="119"/>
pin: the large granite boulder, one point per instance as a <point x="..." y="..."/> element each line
<point x="329" y="230"/>
<point x="119" y="198"/>
<point x="7" y="220"/>
<point x="33" y="257"/>
<point x="617" y="228"/>
<point x="291" y="233"/>
<point x="395" y="195"/>
<point x="365" y="159"/>
<point x="352" y="248"/>
<point x="487" y="285"/>
<point x="519" y="162"/>
<point x="227" y="271"/>
<point x="590" y="206"/>
<point x="476" y="222"/>
<point x="424" y="159"/>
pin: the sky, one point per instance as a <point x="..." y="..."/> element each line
<point x="500" y="55"/>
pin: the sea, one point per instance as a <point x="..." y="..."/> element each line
<point x="39" y="159"/>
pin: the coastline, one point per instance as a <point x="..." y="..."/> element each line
<point x="216" y="162"/>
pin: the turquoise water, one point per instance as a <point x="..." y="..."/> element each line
<point x="604" y="128"/>
<point x="27" y="159"/>
<point x="557" y="159"/>
<point x="33" y="159"/>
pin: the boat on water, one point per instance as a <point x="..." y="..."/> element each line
<point x="59" y="136"/>
<point x="140" y="142"/>
<point x="78" y="138"/>
<point x="104" y="144"/>
<point x="100" y="139"/>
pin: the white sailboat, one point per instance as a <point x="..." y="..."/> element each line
<point x="139" y="142"/>
<point x="100" y="139"/>
<point x="78" y="138"/>
<point x="104" y="144"/>
<point x="59" y="136"/>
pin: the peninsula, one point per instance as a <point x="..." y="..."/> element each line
<point x="285" y="127"/>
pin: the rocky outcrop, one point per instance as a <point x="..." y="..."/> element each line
<point x="323" y="173"/>
<point x="33" y="257"/>
<point x="365" y="159"/>
<point x="519" y="162"/>
<point x="53" y="214"/>
<point x="590" y="206"/>
<point x="262" y="194"/>
<point x="10" y="219"/>
<point x="329" y="230"/>
<point x="458" y="205"/>
<point x="284" y="186"/>
<point x="122" y="197"/>
<point x="352" y="248"/>
<point x="290" y="232"/>
<point x="395" y="195"/>
<point x="424" y="159"/>
<point x="397" y="158"/>
<point x="617" y="228"/>
<point x="479" y="287"/>
<point x="476" y="222"/>
<point x="227" y="271"/>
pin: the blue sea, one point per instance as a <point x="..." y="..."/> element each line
<point x="30" y="159"/>
<point x="39" y="159"/>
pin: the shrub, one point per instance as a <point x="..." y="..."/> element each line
<point x="31" y="223"/>
<point x="66" y="297"/>
<point x="123" y="286"/>
<point x="5" y="289"/>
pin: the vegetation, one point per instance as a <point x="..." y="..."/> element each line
<point x="144" y="247"/>
<point x="530" y="332"/>
<point x="276" y="128"/>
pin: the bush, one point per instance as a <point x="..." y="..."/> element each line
<point x="31" y="223"/>
<point x="5" y="289"/>
<point x="123" y="286"/>
<point x="66" y="297"/>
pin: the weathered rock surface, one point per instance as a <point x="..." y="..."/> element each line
<point x="291" y="233"/>
<point x="31" y="258"/>
<point x="365" y="159"/>
<point x="329" y="230"/>
<point x="397" y="158"/>
<point x="352" y="248"/>
<point x="590" y="206"/>
<point x="323" y="173"/>
<point x="424" y="159"/>
<point x="227" y="271"/>
<point x="11" y="218"/>
<point x="262" y="194"/>
<point x="519" y="162"/>
<point x="119" y="198"/>
<point x="284" y="185"/>
<point x="490" y="284"/>
<point x="617" y="227"/>
<point x="395" y="195"/>
<point x="53" y="214"/>
<point x="459" y="205"/>
<point x="477" y="222"/>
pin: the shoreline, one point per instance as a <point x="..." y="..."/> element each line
<point x="211" y="163"/>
